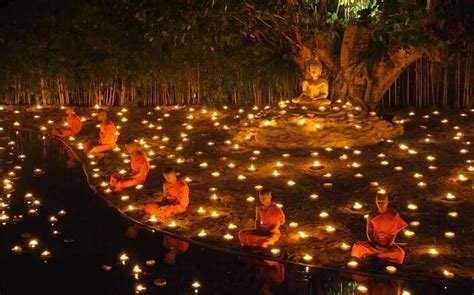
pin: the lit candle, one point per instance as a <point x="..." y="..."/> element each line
<point x="433" y="252"/>
<point x="345" y="246"/>
<point x="293" y="224"/>
<point x="352" y="264"/>
<point x="228" y="236"/>
<point x="390" y="269"/>
<point x="307" y="257"/>
<point x="449" y="234"/>
<point x="409" y="233"/>
<point x="330" y="229"/>
<point x="202" y="233"/>
<point x="448" y="274"/>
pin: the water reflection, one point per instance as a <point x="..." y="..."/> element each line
<point x="92" y="250"/>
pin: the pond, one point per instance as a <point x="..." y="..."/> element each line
<point x="51" y="208"/>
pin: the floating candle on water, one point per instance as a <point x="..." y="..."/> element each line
<point x="33" y="243"/>
<point x="16" y="249"/>
<point x="45" y="254"/>
<point x="450" y="196"/>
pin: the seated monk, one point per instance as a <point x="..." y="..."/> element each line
<point x="382" y="229"/>
<point x="74" y="125"/>
<point x="107" y="136"/>
<point x="268" y="219"/>
<point x="175" y="198"/>
<point x="139" y="171"/>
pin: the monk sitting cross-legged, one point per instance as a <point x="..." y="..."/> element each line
<point x="382" y="229"/>
<point x="74" y="125"/>
<point x="140" y="167"/>
<point x="268" y="219"/>
<point x="175" y="198"/>
<point x="107" y="136"/>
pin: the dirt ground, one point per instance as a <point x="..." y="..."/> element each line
<point x="197" y="141"/>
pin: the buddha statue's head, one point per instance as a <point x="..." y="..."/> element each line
<point x="315" y="69"/>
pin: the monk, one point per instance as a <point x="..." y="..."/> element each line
<point x="74" y="125"/>
<point x="381" y="230"/>
<point x="107" y="136"/>
<point x="268" y="219"/>
<point x="175" y="198"/>
<point x="138" y="173"/>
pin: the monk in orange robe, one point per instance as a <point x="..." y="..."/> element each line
<point x="381" y="230"/>
<point x="107" y="136"/>
<point x="74" y="125"/>
<point x="175" y="198"/>
<point x="268" y="219"/>
<point x="137" y="175"/>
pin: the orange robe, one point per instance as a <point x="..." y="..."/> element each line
<point x="385" y="226"/>
<point x="262" y="236"/>
<point x="107" y="134"/>
<point x="138" y="162"/>
<point x="107" y="139"/>
<point x="176" y="201"/>
<point x="74" y="127"/>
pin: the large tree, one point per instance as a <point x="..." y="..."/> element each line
<point x="364" y="45"/>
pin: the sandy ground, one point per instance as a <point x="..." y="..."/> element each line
<point x="186" y="138"/>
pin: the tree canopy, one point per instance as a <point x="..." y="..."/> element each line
<point x="222" y="44"/>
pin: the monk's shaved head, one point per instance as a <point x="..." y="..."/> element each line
<point x="381" y="200"/>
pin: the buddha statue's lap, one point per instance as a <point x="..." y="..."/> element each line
<point x="314" y="89"/>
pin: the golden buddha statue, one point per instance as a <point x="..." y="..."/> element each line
<point x="314" y="89"/>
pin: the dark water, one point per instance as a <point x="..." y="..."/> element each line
<point x="92" y="235"/>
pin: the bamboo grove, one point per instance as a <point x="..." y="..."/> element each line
<point x="106" y="52"/>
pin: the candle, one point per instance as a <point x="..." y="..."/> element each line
<point x="202" y="233"/>
<point x="307" y="257"/>
<point x="323" y="214"/>
<point x="228" y="236"/>
<point x="357" y="206"/>
<point x="352" y="264"/>
<point x="250" y="199"/>
<point x="196" y="285"/>
<point x="314" y="196"/>
<point x="153" y="219"/>
<point x="123" y="257"/>
<point x="448" y="274"/>
<point x="45" y="254"/>
<point x="201" y="211"/>
<point x="409" y="233"/>
<point x="232" y="226"/>
<point x="449" y="234"/>
<point x="293" y="224"/>
<point x="450" y="196"/>
<point x="362" y="289"/>
<point x="302" y="235"/>
<point x="172" y="224"/>
<point x="330" y="229"/>
<point x="433" y="252"/>
<point x="291" y="183"/>
<point x="462" y="178"/>
<point x="453" y="214"/>
<point x="33" y="243"/>
<point x="390" y="269"/>
<point x="412" y="207"/>
<point x="275" y="251"/>
<point x="16" y="249"/>
<point x="344" y="246"/>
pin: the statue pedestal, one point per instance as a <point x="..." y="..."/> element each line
<point x="302" y="127"/>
